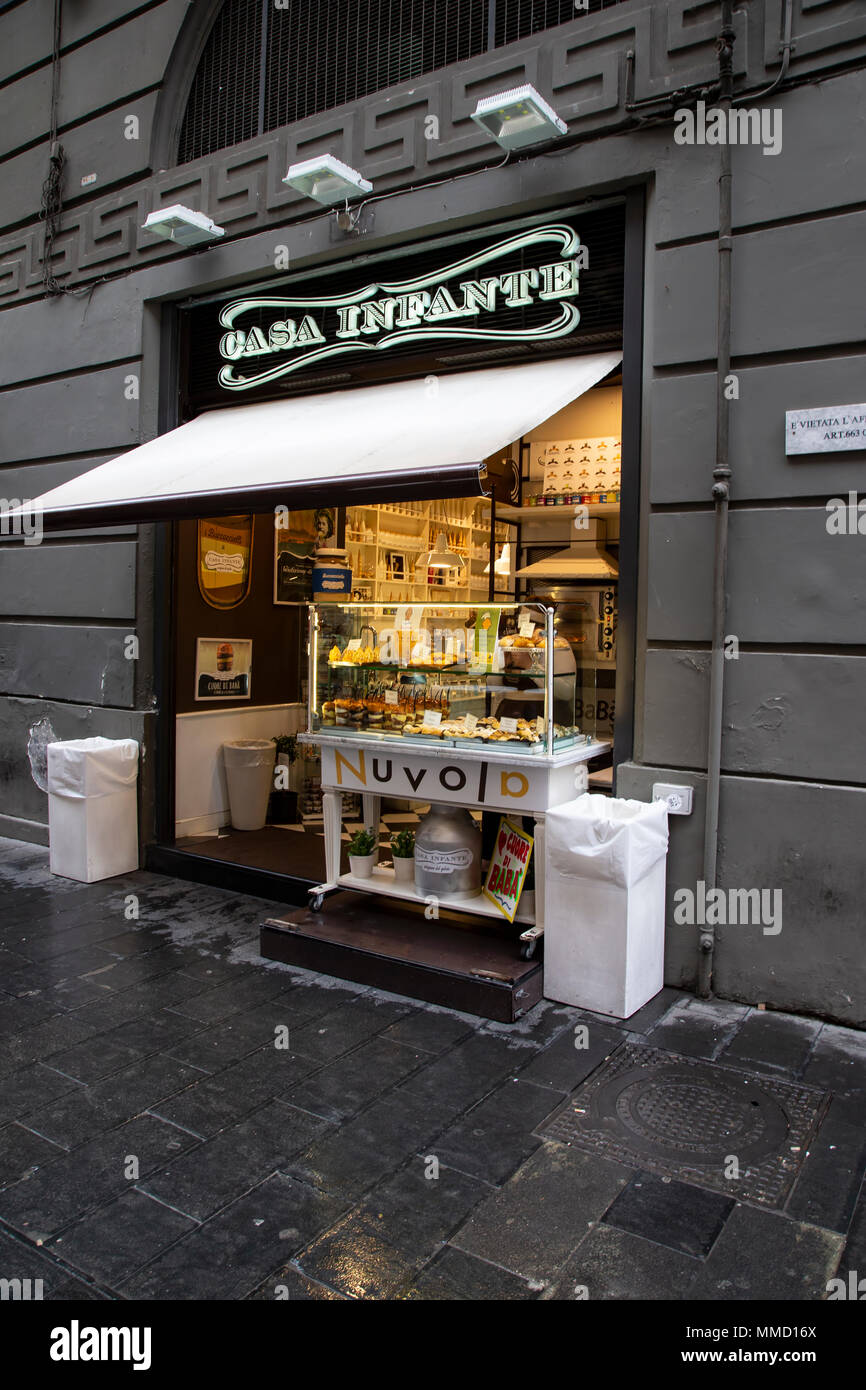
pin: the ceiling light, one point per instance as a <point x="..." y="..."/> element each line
<point x="518" y="118"/>
<point x="326" y="180"/>
<point x="183" y="226"/>
<point x="440" y="557"/>
<point x="503" y="564"/>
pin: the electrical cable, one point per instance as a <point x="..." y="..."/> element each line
<point x="51" y="207"/>
<point x="417" y="187"/>
<point x="52" y="189"/>
<point x="787" y="49"/>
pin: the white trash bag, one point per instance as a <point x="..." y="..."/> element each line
<point x="604" y="909"/>
<point x="93" y="808"/>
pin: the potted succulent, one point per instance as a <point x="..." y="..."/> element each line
<point x="363" y="850"/>
<point x="284" y="798"/>
<point x="403" y="854"/>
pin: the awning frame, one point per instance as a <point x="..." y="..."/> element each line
<point x="361" y="446"/>
<point x="463" y="481"/>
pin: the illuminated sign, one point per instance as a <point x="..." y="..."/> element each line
<point x="451" y="302"/>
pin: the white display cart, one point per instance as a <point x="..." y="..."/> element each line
<point x="479" y="778"/>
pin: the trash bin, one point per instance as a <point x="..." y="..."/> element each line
<point x="249" y="764"/>
<point x="92" y="808"/>
<point x="604" y="916"/>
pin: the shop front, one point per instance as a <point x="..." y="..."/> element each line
<point x="399" y="591"/>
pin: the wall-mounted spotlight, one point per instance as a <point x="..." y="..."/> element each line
<point x="182" y="225"/>
<point x="518" y="118"/>
<point x="326" y="180"/>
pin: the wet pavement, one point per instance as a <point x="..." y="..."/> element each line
<point x="181" y="1120"/>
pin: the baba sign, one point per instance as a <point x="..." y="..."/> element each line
<point x="508" y="865"/>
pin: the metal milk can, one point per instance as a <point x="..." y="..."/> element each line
<point x="448" y="853"/>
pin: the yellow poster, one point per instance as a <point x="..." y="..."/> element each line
<point x="486" y="635"/>
<point x="508" y="865"/>
<point x="225" y="547"/>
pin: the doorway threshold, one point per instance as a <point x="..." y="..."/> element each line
<point x="199" y="867"/>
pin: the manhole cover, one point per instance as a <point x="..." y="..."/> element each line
<point x="734" y="1131"/>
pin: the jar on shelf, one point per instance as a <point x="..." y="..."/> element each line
<point x="332" y="575"/>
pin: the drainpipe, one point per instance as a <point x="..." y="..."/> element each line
<point x="720" y="495"/>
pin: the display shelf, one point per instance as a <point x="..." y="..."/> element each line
<point x="573" y="750"/>
<point x="557" y="513"/>
<point x="410" y="533"/>
<point x="384" y="882"/>
<point x="406" y="669"/>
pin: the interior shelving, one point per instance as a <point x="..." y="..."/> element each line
<point x="376" y="532"/>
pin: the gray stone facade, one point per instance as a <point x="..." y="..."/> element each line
<point x="794" y="748"/>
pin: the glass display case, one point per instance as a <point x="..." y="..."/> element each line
<point x="498" y="676"/>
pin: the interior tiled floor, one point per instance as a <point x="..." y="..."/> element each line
<point x="294" y="849"/>
<point x="180" y="1120"/>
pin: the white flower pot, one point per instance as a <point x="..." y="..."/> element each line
<point x="361" y="865"/>
<point x="404" y="868"/>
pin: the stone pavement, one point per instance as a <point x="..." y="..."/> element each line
<point x="157" y="1142"/>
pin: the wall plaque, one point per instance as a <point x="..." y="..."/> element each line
<point x="825" y="429"/>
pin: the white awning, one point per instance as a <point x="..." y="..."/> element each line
<point x="424" y="437"/>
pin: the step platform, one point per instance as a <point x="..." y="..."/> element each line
<point x="455" y="961"/>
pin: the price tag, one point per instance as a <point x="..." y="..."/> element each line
<point x="354" y="645"/>
<point x="526" y="628"/>
<point x="432" y="719"/>
<point x="470" y="720"/>
<point x="539" y="724"/>
<point x="391" y="697"/>
<point x="508" y="726"/>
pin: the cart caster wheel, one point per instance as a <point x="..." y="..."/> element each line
<point x="527" y="950"/>
<point x="316" y="900"/>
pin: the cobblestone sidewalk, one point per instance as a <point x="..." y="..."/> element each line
<point x="158" y="1141"/>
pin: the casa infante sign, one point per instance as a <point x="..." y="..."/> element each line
<point x="824" y="429"/>
<point x="466" y="299"/>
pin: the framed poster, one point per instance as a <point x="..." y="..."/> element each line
<point x="223" y="668"/>
<point x="225" y="550"/>
<point x="395" y="565"/>
<point x="297" y="536"/>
